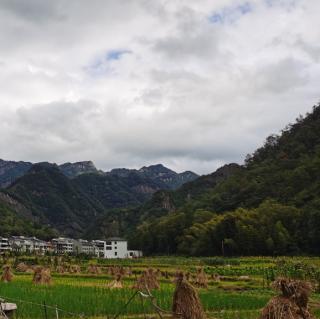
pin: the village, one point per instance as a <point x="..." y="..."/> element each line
<point x="111" y="248"/>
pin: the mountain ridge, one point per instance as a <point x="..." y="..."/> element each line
<point x="165" y="177"/>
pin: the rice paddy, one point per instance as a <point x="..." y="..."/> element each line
<point x="237" y="288"/>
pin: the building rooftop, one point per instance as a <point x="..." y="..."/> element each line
<point x="116" y="239"/>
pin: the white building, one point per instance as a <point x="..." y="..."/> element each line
<point x="82" y="246"/>
<point x="4" y="245"/>
<point x="114" y="247"/>
<point x="117" y="247"/>
<point x="63" y="245"/>
<point x="28" y="244"/>
<point x="100" y="248"/>
<point x="40" y="246"/>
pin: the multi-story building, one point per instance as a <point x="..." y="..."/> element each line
<point x="117" y="247"/>
<point x="82" y="246"/>
<point x="21" y="244"/>
<point x="114" y="247"/>
<point x="4" y="245"/>
<point x="40" y="246"/>
<point x="63" y="245"/>
<point x="100" y="248"/>
<point x="28" y="244"/>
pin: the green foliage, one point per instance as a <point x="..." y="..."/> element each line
<point x="13" y="224"/>
<point x="269" y="206"/>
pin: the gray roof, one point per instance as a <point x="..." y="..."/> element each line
<point x="116" y="239"/>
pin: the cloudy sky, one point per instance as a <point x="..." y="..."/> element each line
<point x="127" y="83"/>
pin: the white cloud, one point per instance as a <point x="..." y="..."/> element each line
<point x="129" y="83"/>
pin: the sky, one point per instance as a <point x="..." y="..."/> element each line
<point x="189" y="84"/>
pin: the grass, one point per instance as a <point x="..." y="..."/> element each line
<point x="230" y="298"/>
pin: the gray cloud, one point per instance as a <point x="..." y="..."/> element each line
<point x="193" y="93"/>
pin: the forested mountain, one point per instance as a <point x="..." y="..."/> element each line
<point x="54" y="199"/>
<point x="75" y="169"/>
<point x="72" y="206"/>
<point x="10" y="171"/>
<point x="15" y="219"/>
<point x="271" y="205"/>
<point x="163" y="176"/>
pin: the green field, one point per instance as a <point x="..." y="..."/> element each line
<point x="87" y="295"/>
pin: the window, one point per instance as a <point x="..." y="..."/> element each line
<point x="115" y="253"/>
<point x="115" y="247"/>
<point x="109" y="248"/>
<point x="108" y="242"/>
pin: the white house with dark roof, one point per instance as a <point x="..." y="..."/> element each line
<point x="117" y="247"/>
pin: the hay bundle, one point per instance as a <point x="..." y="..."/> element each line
<point x="60" y="270"/>
<point x="201" y="280"/>
<point x="7" y="275"/>
<point x="112" y="270"/>
<point x="93" y="269"/>
<point x="292" y="303"/>
<point x="186" y="302"/>
<point x="22" y="267"/>
<point x="41" y="276"/>
<point x="122" y="271"/>
<point x="147" y="281"/>
<point x="75" y="269"/>
<point x="116" y="283"/>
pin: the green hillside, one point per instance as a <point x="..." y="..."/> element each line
<point x="14" y="224"/>
<point x="269" y="206"/>
<point x="55" y="200"/>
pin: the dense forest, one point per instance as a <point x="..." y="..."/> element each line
<point x="270" y="205"/>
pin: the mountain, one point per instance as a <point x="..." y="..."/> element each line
<point x="270" y="205"/>
<point x="10" y="171"/>
<point x="75" y="169"/>
<point x="117" y="191"/>
<point x="15" y="220"/>
<point x="163" y="176"/>
<point x="166" y="201"/>
<point x="71" y="205"/>
<point x="55" y="200"/>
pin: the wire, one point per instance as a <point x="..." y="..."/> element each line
<point x="42" y="305"/>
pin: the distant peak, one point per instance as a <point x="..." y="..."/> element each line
<point x="78" y="168"/>
<point x="37" y="167"/>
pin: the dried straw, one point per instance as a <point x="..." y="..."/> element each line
<point x="22" y="267"/>
<point x="186" y="301"/>
<point x="94" y="269"/>
<point x="117" y="283"/>
<point x="7" y="275"/>
<point x="201" y="280"/>
<point x="292" y="303"/>
<point x="147" y="281"/>
<point x="75" y="269"/>
<point x="41" y="276"/>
